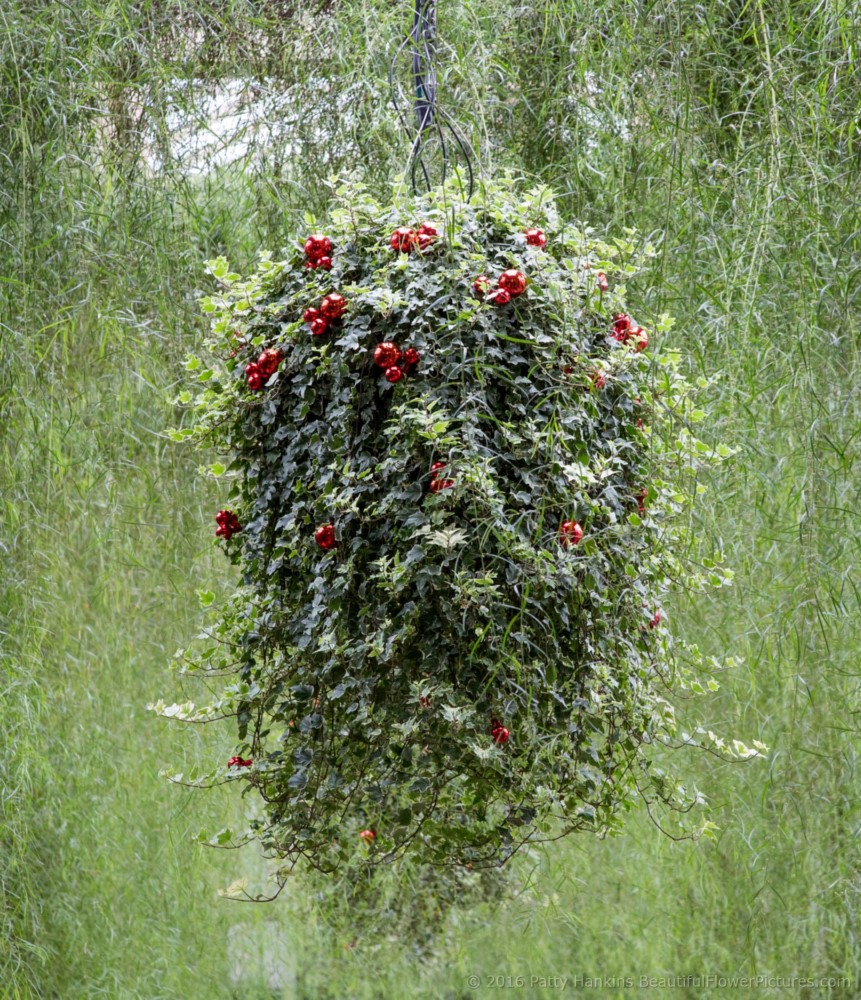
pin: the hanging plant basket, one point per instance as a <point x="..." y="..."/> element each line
<point x="457" y="472"/>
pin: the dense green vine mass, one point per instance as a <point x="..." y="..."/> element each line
<point x="370" y="681"/>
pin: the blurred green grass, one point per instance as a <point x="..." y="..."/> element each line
<point x="728" y="129"/>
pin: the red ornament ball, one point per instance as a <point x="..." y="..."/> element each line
<point x="317" y="245"/>
<point x="333" y="306"/>
<point x="481" y="286"/>
<point x="228" y="524"/>
<point x="239" y="762"/>
<point x="269" y="360"/>
<point x="570" y="533"/>
<point x="499" y="733"/>
<point x="253" y="376"/>
<point x="325" y="263"/>
<point x="324" y="536"/>
<point x="437" y="466"/>
<point x="501" y="297"/>
<point x="601" y="281"/>
<point x="437" y="485"/>
<point x="640" y="339"/>
<point x="386" y="354"/>
<point x="411" y="357"/>
<point x="404" y="239"/>
<point x="621" y="327"/>
<point x="394" y="374"/>
<point x="319" y="326"/>
<point x="368" y="836"/>
<point x="535" y="238"/>
<point x="654" y="622"/>
<point x="310" y="314"/>
<point x="513" y="281"/>
<point x="427" y="234"/>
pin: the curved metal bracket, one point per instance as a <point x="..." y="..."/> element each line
<point x="434" y="125"/>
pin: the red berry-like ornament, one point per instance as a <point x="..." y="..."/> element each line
<point x="601" y="281"/>
<point x="239" y="762"/>
<point x="437" y="466"/>
<point x="621" y="327"/>
<point x="501" y="297"/>
<point x="404" y="239"/>
<point x="513" y="281"/>
<point x="536" y="238"/>
<point x="253" y="376"/>
<point x="324" y="536"/>
<point x="427" y="233"/>
<point x="640" y="339"/>
<point x="481" y="286"/>
<point x="228" y="524"/>
<point x="654" y="622"/>
<point x="386" y="354"/>
<point x="437" y="485"/>
<point x="598" y="380"/>
<point x="269" y="360"/>
<point x="411" y="357"/>
<point x="325" y="263"/>
<point x="310" y="314"/>
<point x="570" y="533"/>
<point x="319" y="326"/>
<point x="498" y="732"/>
<point x="394" y="374"/>
<point x="316" y="246"/>
<point x="333" y="306"/>
<point x="641" y="500"/>
<point x="368" y="836"/>
<point x="424" y="701"/>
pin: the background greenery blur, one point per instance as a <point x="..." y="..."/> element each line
<point x="729" y="129"/>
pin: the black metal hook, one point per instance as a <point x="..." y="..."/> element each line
<point x="432" y="121"/>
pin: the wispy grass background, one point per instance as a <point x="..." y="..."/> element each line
<point x="728" y="130"/>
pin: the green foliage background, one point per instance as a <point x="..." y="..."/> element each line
<point x="728" y="128"/>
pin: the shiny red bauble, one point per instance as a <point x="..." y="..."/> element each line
<point x="654" y="622"/>
<point x="228" y="524"/>
<point x="239" y="762"/>
<point x="437" y="466"/>
<point x="333" y="306"/>
<point x="368" y="836"/>
<point x="394" y="374"/>
<point x="513" y="281"/>
<point x="601" y="281"/>
<point x="404" y="239"/>
<point x="639" y="338"/>
<point x="501" y="297"/>
<point x="310" y="314"/>
<point x="269" y="360"/>
<point x="325" y="263"/>
<point x="317" y="245"/>
<point x="498" y="732"/>
<point x="411" y="357"/>
<point x="535" y="238"/>
<point x="427" y="233"/>
<point x="319" y="326"/>
<point x="437" y="485"/>
<point x="481" y="286"/>
<point x="570" y="533"/>
<point x="621" y="326"/>
<point x="386" y="354"/>
<point x="253" y="376"/>
<point x="324" y="536"/>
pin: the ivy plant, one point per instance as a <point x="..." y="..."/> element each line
<point x="455" y="515"/>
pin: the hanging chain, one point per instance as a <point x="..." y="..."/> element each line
<point x="435" y="132"/>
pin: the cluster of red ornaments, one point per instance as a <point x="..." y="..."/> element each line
<point x="405" y="240"/>
<point x="331" y="309"/>
<point x="239" y="762"/>
<point x="498" y="732"/>
<point x="257" y="372"/>
<point x="395" y="362"/>
<point x="318" y="250"/>
<point x="228" y="524"/>
<point x="625" y="330"/>
<point x="511" y="283"/>
<point x="437" y="484"/>
<point x="570" y="533"/>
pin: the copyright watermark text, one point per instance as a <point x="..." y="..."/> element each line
<point x="708" y="981"/>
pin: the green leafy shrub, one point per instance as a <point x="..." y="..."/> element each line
<point x="450" y="670"/>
